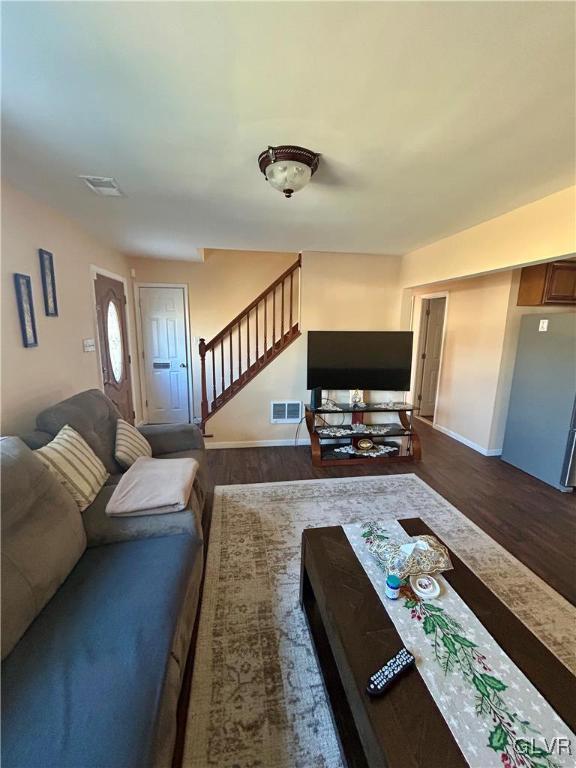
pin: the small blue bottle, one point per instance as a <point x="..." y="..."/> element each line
<point x="392" y="589"/>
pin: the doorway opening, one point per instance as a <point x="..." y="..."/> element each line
<point x="429" y="355"/>
<point x="165" y="359"/>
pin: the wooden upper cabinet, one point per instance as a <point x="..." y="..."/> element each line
<point x="552" y="283"/>
<point x="561" y="283"/>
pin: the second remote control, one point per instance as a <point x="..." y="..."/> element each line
<point x="386" y="675"/>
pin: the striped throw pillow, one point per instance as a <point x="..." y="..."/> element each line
<point x="130" y="444"/>
<point x="75" y="465"/>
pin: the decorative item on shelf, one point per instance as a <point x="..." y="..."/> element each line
<point x="330" y="406"/>
<point x="334" y="431"/>
<point x="48" y="282"/>
<point x="288" y="167"/>
<point x="377" y="450"/>
<point x="365" y="444"/>
<point x="23" y="286"/>
<point x="356" y="398"/>
<point x="378" y="430"/>
<point x="391" y="405"/>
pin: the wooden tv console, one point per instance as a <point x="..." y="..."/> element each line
<point x="402" y="434"/>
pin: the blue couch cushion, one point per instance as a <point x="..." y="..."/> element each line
<point x="82" y="687"/>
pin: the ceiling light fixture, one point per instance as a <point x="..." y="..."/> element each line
<point x="288" y="168"/>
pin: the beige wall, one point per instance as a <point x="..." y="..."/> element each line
<point x="246" y="418"/>
<point x="220" y="286"/>
<point x="354" y="291"/>
<point x="543" y="230"/>
<point x="339" y="291"/>
<point x="475" y="326"/>
<point x="350" y="291"/>
<point x="37" y="377"/>
<point x="481" y="336"/>
<point x="483" y="319"/>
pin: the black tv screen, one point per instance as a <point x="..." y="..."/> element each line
<point x="360" y="360"/>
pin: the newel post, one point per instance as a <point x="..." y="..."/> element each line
<point x="204" y="406"/>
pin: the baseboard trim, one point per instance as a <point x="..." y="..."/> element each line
<point x="258" y="443"/>
<point x="216" y="445"/>
<point x="469" y="443"/>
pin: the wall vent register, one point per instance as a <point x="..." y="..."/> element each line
<point x="285" y="411"/>
<point x="105" y="186"/>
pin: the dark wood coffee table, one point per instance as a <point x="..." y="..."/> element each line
<point x="353" y="636"/>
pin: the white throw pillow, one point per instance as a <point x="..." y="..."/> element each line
<point x="130" y="444"/>
<point x="75" y="465"/>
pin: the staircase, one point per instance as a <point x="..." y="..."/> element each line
<point x="250" y="342"/>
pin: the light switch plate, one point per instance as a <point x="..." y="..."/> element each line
<point x="543" y="326"/>
<point x="89" y="345"/>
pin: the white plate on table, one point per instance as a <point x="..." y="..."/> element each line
<point x="425" y="586"/>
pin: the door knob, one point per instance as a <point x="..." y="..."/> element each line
<point x="183" y="365"/>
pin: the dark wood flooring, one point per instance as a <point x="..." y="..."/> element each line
<point x="530" y="519"/>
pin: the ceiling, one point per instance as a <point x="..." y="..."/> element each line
<point x="431" y="117"/>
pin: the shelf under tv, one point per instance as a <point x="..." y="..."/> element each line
<point x="369" y="408"/>
<point x="406" y="440"/>
<point x="347" y="431"/>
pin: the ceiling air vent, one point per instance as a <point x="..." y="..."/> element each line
<point x="285" y="411"/>
<point x="105" y="186"/>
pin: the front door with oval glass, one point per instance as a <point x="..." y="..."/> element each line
<point x="113" y="343"/>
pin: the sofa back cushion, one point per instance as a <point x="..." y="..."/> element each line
<point x="35" y="439"/>
<point x="93" y="416"/>
<point x="75" y="466"/>
<point x="130" y="444"/>
<point x="42" y="538"/>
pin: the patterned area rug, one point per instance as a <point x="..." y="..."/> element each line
<point x="257" y="698"/>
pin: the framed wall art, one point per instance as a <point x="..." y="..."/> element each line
<point x="48" y="282"/>
<point x="23" y="286"/>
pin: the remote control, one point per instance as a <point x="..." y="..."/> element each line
<point x="386" y="675"/>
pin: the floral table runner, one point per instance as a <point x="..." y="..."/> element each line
<point x="495" y="714"/>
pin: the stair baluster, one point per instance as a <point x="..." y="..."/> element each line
<point x="229" y="381"/>
<point x="248" y="340"/>
<point x="274" y="318"/>
<point x="257" y="347"/>
<point x="265" y="327"/>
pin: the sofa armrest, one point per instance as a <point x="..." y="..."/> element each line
<point x="171" y="438"/>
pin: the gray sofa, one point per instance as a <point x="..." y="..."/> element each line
<point x="97" y="613"/>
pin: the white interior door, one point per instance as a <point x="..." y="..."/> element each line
<point x="166" y="364"/>
<point x="433" y="320"/>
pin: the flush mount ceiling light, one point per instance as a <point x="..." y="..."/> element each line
<point x="288" y="168"/>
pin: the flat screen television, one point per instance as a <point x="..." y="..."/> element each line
<point x="360" y="360"/>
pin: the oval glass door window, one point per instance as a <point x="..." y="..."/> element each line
<point x="115" y="341"/>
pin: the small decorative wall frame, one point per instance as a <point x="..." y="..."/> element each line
<point x="48" y="282"/>
<point x="23" y="286"/>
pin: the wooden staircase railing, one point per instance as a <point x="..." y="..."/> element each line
<point x="250" y="341"/>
